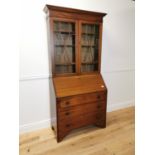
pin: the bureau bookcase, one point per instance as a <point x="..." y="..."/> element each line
<point x="75" y="38"/>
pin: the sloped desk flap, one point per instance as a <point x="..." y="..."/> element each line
<point x="74" y="85"/>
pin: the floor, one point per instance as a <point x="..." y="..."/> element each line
<point x="116" y="139"/>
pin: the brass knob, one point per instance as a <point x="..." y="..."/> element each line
<point x="99" y="106"/>
<point x="67" y="113"/>
<point x="67" y="103"/>
<point x="98" y="96"/>
<point x="68" y="125"/>
<point x="97" y="117"/>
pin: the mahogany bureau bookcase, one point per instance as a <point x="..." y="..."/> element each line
<point x="75" y="38"/>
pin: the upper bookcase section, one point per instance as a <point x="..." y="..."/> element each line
<point x="54" y="11"/>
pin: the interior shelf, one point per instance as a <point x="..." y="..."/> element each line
<point x="65" y="64"/>
<point x="94" y="46"/>
<point x="64" y="45"/>
<point x="89" y="63"/>
<point x="85" y="33"/>
<point x="65" y="32"/>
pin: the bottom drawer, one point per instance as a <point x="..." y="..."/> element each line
<point x="80" y="121"/>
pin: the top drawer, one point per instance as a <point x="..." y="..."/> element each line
<point x="80" y="99"/>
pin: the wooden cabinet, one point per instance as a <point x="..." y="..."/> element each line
<point x="75" y="38"/>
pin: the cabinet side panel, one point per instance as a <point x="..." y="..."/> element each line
<point x="50" y="44"/>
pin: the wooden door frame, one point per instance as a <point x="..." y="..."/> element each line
<point x="52" y="50"/>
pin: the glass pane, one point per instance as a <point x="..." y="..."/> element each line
<point x="64" y="44"/>
<point x="89" y="47"/>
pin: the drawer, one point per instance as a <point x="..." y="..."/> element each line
<point x="69" y="114"/>
<point x="80" y="99"/>
<point x="82" y="110"/>
<point x="90" y="107"/>
<point x="80" y="121"/>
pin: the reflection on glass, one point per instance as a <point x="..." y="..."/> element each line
<point x="89" y="47"/>
<point x="64" y="43"/>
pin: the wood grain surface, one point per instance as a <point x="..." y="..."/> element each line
<point x="116" y="139"/>
<point x="75" y="85"/>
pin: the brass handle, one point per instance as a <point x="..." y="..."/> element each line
<point x="67" y="113"/>
<point x="68" y="125"/>
<point x="67" y="103"/>
<point x="98" y="96"/>
<point x="97" y="117"/>
<point x="99" y="106"/>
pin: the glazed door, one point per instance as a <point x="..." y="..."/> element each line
<point x="65" y="49"/>
<point x="90" y="37"/>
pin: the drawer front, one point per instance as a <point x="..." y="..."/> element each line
<point x="80" y="121"/>
<point x="84" y="109"/>
<point x="80" y="99"/>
